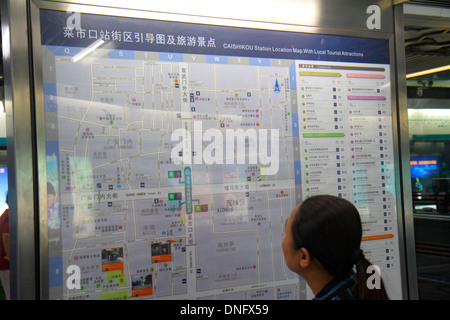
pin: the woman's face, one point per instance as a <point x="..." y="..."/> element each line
<point x="50" y="199"/>
<point x="291" y="255"/>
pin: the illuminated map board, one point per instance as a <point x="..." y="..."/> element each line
<point x="177" y="151"/>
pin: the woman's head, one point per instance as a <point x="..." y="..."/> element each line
<point x="329" y="228"/>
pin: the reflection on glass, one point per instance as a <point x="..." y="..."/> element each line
<point x="429" y="129"/>
<point x="176" y="156"/>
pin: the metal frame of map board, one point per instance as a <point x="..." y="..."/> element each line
<point x="404" y="222"/>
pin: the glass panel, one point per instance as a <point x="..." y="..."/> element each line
<point x="139" y="214"/>
<point x="429" y="131"/>
<point x="4" y="263"/>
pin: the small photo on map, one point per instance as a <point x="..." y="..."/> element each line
<point x="112" y="259"/>
<point x="141" y="285"/>
<point x="161" y="251"/>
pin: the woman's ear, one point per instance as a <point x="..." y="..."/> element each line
<point x="304" y="258"/>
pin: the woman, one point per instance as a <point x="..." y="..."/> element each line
<point x="4" y="252"/>
<point x="322" y="244"/>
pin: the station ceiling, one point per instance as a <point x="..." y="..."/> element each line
<point x="427" y="35"/>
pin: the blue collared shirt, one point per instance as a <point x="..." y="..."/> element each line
<point x="345" y="288"/>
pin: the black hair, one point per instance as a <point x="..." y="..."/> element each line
<point x="330" y="229"/>
<point x="50" y="188"/>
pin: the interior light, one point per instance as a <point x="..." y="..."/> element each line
<point x="425" y="72"/>
<point x="88" y="50"/>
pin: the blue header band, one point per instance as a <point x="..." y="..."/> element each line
<point x="177" y="37"/>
